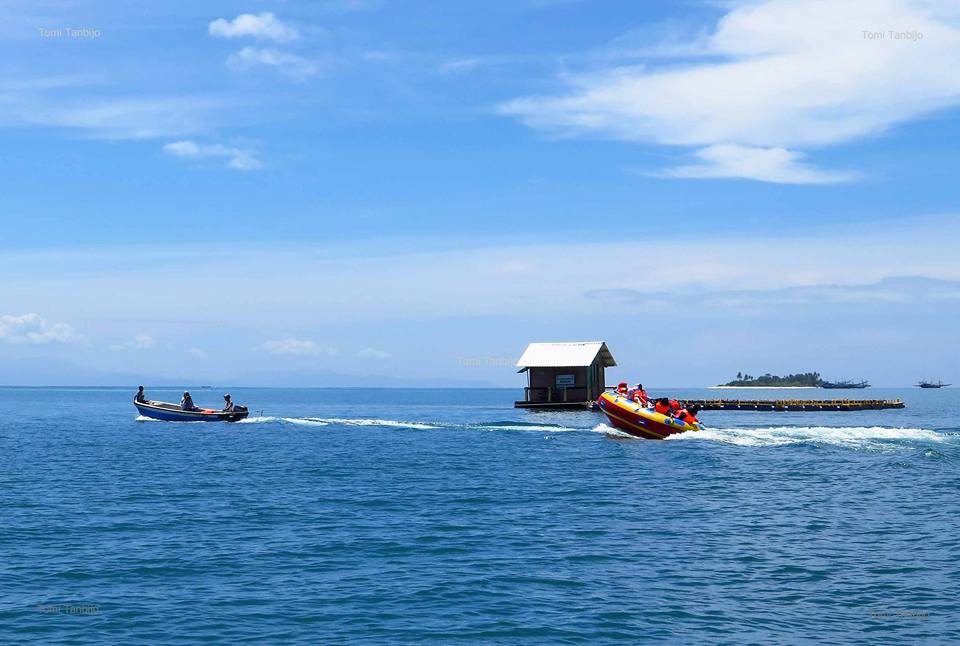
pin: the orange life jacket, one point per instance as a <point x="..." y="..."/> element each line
<point x="640" y="396"/>
<point x="662" y="408"/>
<point x="688" y="417"/>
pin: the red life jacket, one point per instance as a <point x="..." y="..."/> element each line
<point x="675" y="405"/>
<point x="640" y="396"/>
<point x="661" y="408"/>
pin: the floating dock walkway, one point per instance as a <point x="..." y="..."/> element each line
<point x="787" y="405"/>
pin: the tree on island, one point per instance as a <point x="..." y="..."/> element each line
<point x="802" y="379"/>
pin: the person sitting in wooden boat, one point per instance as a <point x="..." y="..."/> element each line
<point x="227" y="404"/>
<point x="141" y="397"/>
<point x="187" y="402"/>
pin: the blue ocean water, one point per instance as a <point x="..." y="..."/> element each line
<point x="403" y="516"/>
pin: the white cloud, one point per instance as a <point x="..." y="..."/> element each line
<point x="237" y="158"/>
<point x="33" y="329"/>
<point x="112" y="118"/>
<point x="139" y="342"/>
<point x="492" y="278"/>
<point x="896" y="294"/>
<point x="777" y="165"/>
<point x="461" y="65"/>
<point x="264" y="26"/>
<point x="291" y="65"/>
<point x="298" y="347"/>
<point x="198" y="353"/>
<point x="775" y="75"/>
<point x="373" y="353"/>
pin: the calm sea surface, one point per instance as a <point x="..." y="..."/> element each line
<point x="446" y="515"/>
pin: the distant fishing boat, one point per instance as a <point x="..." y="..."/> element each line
<point x="930" y="384"/>
<point x="844" y="384"/>
<point x="173" y="413"/>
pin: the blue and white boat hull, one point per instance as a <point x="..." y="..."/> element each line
<point x="173" y="413"/>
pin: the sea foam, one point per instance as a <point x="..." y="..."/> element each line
<point x="850" y="436"/>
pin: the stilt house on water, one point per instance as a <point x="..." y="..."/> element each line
<point x="564" y="375"/>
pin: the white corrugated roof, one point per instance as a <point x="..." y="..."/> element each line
<point x="564" y="355"/>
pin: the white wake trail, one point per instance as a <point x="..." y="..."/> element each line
<point x="848" y="436"/>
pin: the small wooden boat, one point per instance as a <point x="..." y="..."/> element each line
<point x="173" y="413"/>
<point x="630" y="417"/>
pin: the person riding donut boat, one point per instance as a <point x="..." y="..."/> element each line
<point x="662" y="406"/>
<point x="639" y="395"/>
<point x="689" y="415"/>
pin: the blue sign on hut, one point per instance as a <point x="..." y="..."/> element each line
<point x="564" y="375"/>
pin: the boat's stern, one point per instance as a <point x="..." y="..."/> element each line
<point x="238" y="413"/>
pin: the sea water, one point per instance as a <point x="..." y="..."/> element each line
<point x="400" y="516"/>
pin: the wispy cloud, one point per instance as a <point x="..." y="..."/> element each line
<point x="373" y="353"/>
<point x="237" y="158"/>
<point x="139" y="342"/>
<point x="897" y="292"/>
<point x="491" y="279"/>
<point x="775" y="75"/>
<point x="111" y="118"/>
<point x="33" y="329"/>
<point x="290" y="65"/>
<point x="777" y="165"/>
<point x="263" y="26"/>
<point x="297" y="347"/>
<point x="459" y="65"/>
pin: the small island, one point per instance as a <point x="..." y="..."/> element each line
<point x="800" y="380"/>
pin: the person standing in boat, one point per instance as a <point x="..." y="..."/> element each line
<point x="187" y="402"/>
<point x="227" y="404"/>
<point x="141" y="398"/>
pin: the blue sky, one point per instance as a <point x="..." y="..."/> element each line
<point x="319" y="193"/>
